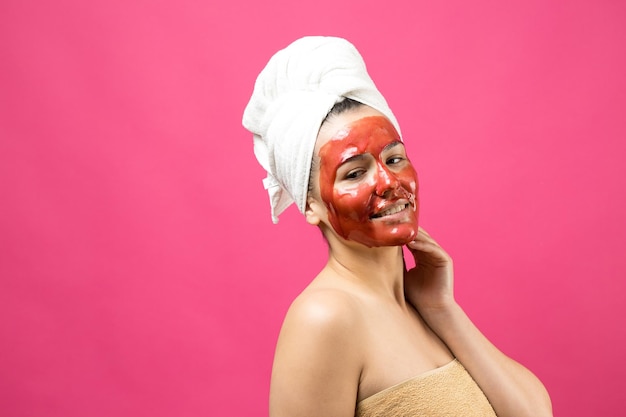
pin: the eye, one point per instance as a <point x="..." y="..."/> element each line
<point x="394" y="160"/>
<point x="354" y="174"/>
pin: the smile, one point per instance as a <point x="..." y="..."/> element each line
<point x="392" y="210"/>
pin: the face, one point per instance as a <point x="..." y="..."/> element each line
<point x="366" y="180"/>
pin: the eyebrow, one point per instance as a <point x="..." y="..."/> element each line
<point x="353" y="158"/>
<point x="362" y="155"/>
<point x="392" y="145"/>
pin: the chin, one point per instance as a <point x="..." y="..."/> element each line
<point x="384" y="240"/>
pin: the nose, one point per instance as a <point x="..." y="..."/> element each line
<point x="385" y="181"/>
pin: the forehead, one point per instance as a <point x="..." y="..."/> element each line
<point x="338" y="123"/>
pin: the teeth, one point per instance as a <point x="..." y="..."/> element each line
<point x="391" y="211"/>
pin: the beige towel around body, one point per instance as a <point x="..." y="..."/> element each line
<point x="448" y="391"/>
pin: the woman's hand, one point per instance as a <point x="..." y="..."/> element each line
<point x="512" y="390"/>
<point x="429" y="286"/>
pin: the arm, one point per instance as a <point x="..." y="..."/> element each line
<point x="512" y="390"/>
<point x="317" y="366"/>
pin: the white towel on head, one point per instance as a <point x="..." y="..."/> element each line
<point x="292" y="96"/>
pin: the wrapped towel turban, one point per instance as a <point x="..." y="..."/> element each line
<point x="292" y="96"/>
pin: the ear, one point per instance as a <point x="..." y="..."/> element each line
<point x="313" y="211"/>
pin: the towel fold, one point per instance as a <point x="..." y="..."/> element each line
<point x="292" y="96"/>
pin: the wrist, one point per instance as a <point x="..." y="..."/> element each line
<point x="428" y="305"/>
<point x="440" y="315"/>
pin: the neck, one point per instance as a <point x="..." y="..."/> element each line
<point x="380" y="269"/>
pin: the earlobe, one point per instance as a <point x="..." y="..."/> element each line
<point x="311" y="212"/>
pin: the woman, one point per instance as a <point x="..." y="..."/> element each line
<point x="366" y="337"/>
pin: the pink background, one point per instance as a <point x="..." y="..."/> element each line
<point x="140" y="273"/>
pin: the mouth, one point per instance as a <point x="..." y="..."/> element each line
<point x="390" y="211"/>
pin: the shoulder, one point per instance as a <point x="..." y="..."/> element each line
<point x="319" y="357"/>
<point x="323" y="322"/>
<point x="326" y="310"/>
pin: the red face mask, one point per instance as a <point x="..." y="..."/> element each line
<point x="368" y="184"/>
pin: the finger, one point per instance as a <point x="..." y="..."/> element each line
<point x="429" y="254"/>
<point x="424" y="236"/>
<point x="424" y="245"/>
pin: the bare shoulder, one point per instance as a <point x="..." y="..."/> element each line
<point x="325" y="310"/>
<point x="323" y="319"/>
<point x="318" y="362"/>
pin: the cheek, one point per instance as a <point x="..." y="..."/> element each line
<point x="408" y="179"/>
<point x="325" y="180"/>
<point x="354" y="202"/>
